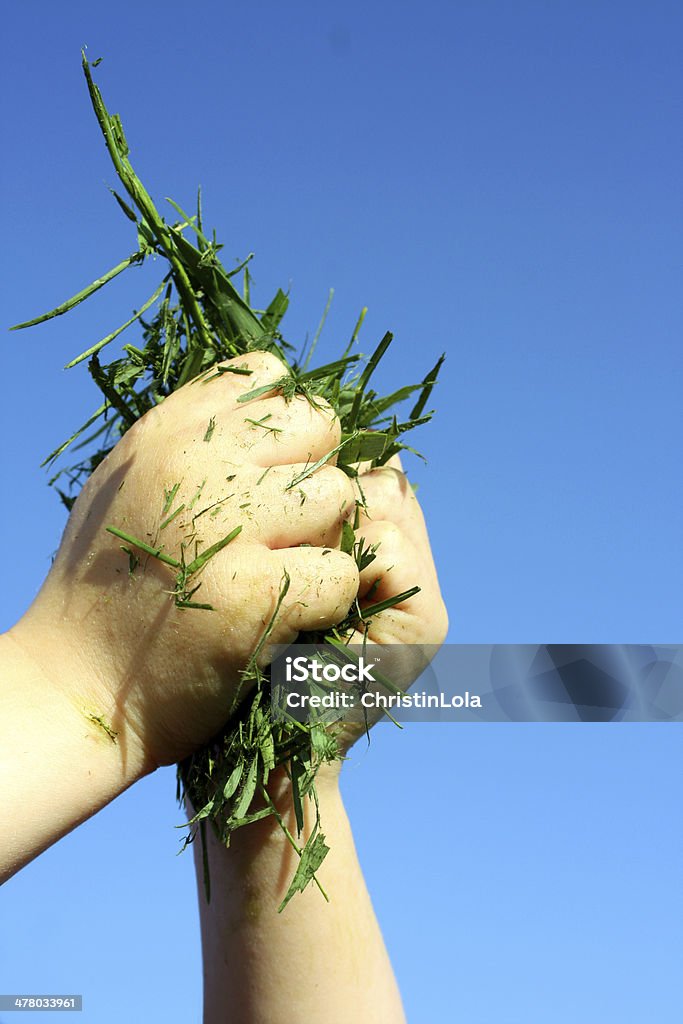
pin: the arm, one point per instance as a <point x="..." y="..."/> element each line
<point x="323" y="963"/>
<point x="108" y="676"/>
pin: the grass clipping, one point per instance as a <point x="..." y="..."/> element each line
<point x="195" y="318"/>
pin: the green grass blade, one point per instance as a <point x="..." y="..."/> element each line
<point x="276" y="385"/>
<point x="275" y="311"/>
<point x="200" y="233"/>
<point x="312" y="856"/>
<point x="335" y="369"/>
<point x="356" y="330"/>
<point x="389" y="602"/>
<point x="366" y="375"/>
<point x="190" y="222"/>
<point x="201" y="560"/>
<point x="62" y="448"/>
<point x="319" y="329"/>
<point x="427" y="385"/>
<point x="75" y="300"/>
<point x="119" y="330"/>
<point x="110" y="392"/>
<point x="143" y="546"/>
<point x="118" y="150"/>
<point x="123" y="205"/>
<point x="321" y="462"/>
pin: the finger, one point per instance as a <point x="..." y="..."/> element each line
<point x="365" y="467"/>
<point x="396" y="565"/>
<point x="323" y="586"/>
<point x="244" y="373"/>
<point x="312" y="512"/>
<point x="208" y="397"/>
<point x="387" y="496"/>
<point x="283" y="432"/>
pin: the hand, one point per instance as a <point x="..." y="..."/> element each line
<point x="107" y="627"/>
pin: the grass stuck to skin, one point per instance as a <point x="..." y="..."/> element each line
<point x="199" y="315"/>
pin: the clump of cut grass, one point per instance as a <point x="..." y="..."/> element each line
<point x="195" y="318"/>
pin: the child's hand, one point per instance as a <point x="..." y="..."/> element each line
<point x="106" y="627"/>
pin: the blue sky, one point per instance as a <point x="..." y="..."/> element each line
<point x="497" y="180"/>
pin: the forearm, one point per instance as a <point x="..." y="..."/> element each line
<point x="58" y="764"/>
<point x="315" y="961"/>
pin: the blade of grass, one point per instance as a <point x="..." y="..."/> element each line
<point x="356" y="331"/>
<point x="201" y="560"/>
<point x="427" y="385"/>
<point x="366" y="375"/>
<point x="118" y="151"/>
<point x="389" y="602"/>
<point x="62" y="448"/>
<point x="316" y="465"/>
<point x="316" y="336"/>
<point x="114" y="334"/>
<point x="143" y="546"/>
<point x="75" y="300"/>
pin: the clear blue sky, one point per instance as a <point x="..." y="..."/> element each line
<point x="497" y="180"/>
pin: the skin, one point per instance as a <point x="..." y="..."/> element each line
<point x="163" y="676"/>
<point x="323" y="963"/>
<point x="105" y="678"/>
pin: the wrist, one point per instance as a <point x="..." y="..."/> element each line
<point x="58" y="667"/>
<point x="58" y="765"/>
<point x="265" y="838"/>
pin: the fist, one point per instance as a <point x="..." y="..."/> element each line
<point x="193" y="471"/>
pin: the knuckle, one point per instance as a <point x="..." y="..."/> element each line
<point x="387" y="534"/>
<point x="344" y="572"/>
<point x="341" y="484"/>
<point x="385" y="488"/>
<point x="389" y="549"/>
<point x="389" y="481"/>
<point x="269" y="362"/>
<point x="323" y="410"/>
<point x="258" y="362"/>
<point x="324" y="407"/>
